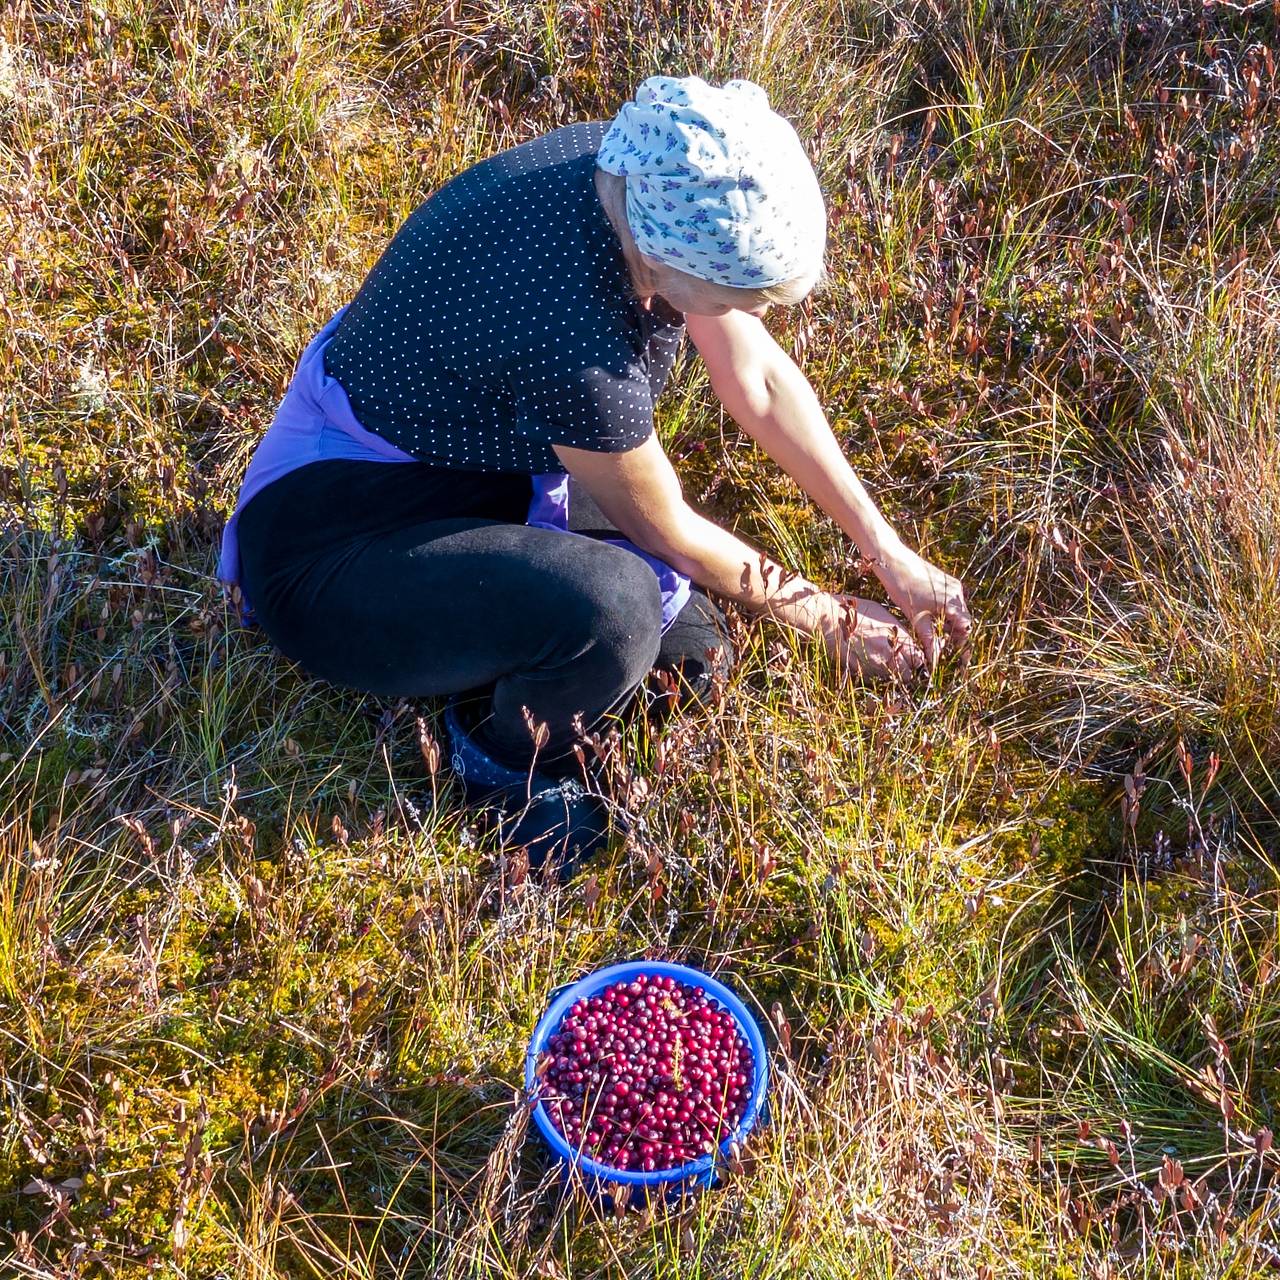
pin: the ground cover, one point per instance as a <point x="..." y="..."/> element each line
<point x="264" y="993"/>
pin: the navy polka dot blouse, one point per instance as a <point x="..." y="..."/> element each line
<point x="501" y="320"/>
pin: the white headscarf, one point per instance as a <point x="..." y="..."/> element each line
<point x="718" y="184"/>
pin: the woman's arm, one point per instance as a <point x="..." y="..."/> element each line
<point x="764" y="391"/>
<point x="640" y="493"/>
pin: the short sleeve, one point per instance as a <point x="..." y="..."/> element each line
<point x="597" y="407"/>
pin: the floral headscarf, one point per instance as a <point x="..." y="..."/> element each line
<point x="718" y="184"/>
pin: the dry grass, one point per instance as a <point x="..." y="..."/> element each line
<point x="263" y="994"/>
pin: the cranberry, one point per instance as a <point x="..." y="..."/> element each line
<point x="647" y="1074"/>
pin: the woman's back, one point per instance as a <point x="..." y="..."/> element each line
<point x="500" y="319"/>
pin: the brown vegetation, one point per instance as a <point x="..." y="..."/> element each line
<point x="264" y="994"/>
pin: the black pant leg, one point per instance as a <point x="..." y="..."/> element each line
<point x="557" y="624"/>
<point x="692" y="649"/>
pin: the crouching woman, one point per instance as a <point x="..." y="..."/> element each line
<point x="462" y="493"/>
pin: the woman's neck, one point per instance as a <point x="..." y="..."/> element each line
<point x="612" y="190"/>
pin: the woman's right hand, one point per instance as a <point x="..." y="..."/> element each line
<point x="862" y="636"/>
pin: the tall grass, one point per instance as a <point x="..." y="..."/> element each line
<point x="263" y="989"/>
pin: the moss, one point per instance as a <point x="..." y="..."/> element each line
<point x="198" y="191"/>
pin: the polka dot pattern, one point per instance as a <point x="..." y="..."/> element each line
<point x="501" y="320"/>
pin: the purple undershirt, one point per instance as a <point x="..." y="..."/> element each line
<point x="315" y="422"/>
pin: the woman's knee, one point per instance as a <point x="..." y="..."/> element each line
<point x="605" y="627"/>
<point x="622" y="611"/>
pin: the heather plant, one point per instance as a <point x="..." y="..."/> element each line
<point x="265" y="992"/>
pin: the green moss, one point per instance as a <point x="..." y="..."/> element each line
<point x="342" y="1017"/>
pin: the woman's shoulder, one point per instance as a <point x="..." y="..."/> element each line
<point x="569" y="144"/>
<point x="551" y="160"/>
<point x="526" y="209"/>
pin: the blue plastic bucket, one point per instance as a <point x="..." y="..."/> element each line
<point x="703" y="1172"/>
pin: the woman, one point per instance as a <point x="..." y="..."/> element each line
<point x="402" y="527"/>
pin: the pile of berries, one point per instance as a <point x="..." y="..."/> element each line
<point x="647" y="1074"/>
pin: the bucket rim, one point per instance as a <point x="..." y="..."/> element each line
<point x="693" y="1170"/>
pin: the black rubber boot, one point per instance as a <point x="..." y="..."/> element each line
<point x="557" y="821"/>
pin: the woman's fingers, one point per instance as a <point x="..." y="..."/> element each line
<point x="943" y="629"/>
<point x="931" y="600"/>
<point x="931" y="639"/>
<point x="914" y="662"/>
<point x="876" y="644"/>
<point x="957" y="620"/>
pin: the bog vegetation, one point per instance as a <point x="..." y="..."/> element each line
<point x="264" y="993"/>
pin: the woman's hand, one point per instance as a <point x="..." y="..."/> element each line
<point x="638" y="490"/>
<point x="860" y="635"/>
<point x="932" y="601"/>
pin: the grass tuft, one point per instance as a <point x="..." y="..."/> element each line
<point x="264" y="991"/>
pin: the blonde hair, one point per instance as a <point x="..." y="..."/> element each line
<point x="784" y="294"/>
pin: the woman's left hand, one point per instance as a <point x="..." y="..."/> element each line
<point x="927" y="597"/>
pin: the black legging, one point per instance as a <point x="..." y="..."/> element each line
<point x="405" y="579"/>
